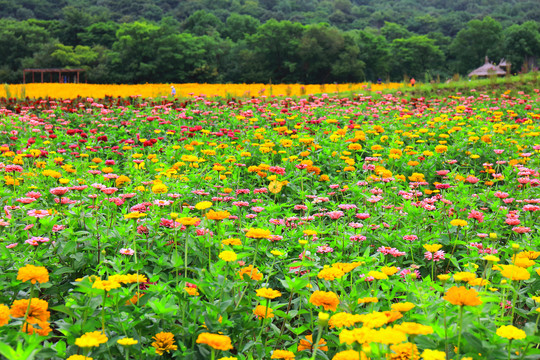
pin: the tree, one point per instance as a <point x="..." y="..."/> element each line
<point x="374" y="52"/>
<point x="276" y="47"/>
<point x="521" y="44"/>
<point x="472" y="44"/>
<point x="237" y="26"/>
<point x="392" y="31"/>
<point x="203" y="23"/>
<point x="415" y="56"/>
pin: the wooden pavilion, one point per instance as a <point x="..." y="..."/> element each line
<point x="63" y="75"/>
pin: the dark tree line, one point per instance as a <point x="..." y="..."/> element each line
<point x="221" y="41"/>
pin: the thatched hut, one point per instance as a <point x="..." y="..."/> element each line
<point x="489" y="69"/>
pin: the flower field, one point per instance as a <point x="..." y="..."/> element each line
<point x="271" y="228"/>
<point x="66" y="91"/>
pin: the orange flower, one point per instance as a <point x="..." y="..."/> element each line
<point x="215" y="341"/>
<point x="258" y="234"/>
<point x="268" y="293"/>
<point x="164" y="342"/>
<point x="251" y="271"/>
<point x="307" y="344"/>
<point x="462" y="296"/>
<point x="37" y="312"/>
<point x="328" y="300"/>
<point x="33" y="273"/>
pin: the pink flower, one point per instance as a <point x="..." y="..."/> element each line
<point x="33" y="194"/>
<point x="334" y="215"/>
<point x="498" y="151"/>
<point x="11" y="246"/>
<point x="59" y="191"/>
<point x="38" y="213"/>
<point x="357" y="238"/>
<point x="162" y="202"/>
<point x="277" y="170"/>
<point x="324" y="249"/>
<point x="257" y="209"/>
<point x="410" y="237"/>
<point x="127" y="251"/>
<point x="521" y="229"/>
<point x="477" y="215"/>
<point x="57" y="228"/>
<point x="362" y="216"/>
<point x="356" y="225"/>
<point x="347" y="206"/>
<point x="26" y="200"/>
<point x="109" y="191"/>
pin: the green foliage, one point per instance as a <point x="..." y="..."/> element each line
<point x="308" y="41"/>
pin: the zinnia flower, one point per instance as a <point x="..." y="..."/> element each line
<point x="33" y="273"/>
<point x="127" y="341"/>
<point x="462" y="296"/>
<point x="282" y="354"/>
<point x="215" y="341"/>
<point x="91" y="339"/>
<point x="164" y="342"/>
<point x="228" y="256"/>
<point x="511" y="332"/>
<point x="328" y="300"/>
<point x="217" y="215"/>
<point x="37" y="312"/>
<point x="433" y="355"/>
<point x="263" y="313"/>
<point x="307" y="344"/>
<point x="258" y="234"/>
<point x="4" y="314"/>
<point x="268" y="293"/>
<point x="513" y="272"/>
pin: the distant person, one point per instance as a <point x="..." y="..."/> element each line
<point x="379" y="81"/>
<point x="412" y="82"/>
<point x="173" y="91"/>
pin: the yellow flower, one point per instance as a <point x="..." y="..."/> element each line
<point x="215" y="341"/>
<point x="228" y="256"/>
<point x="343" y="319"/>
<point x="377" y="275"/>
<point x="458" y="222"/>
<point x="188" y="221"/>
<point x="232" y="241"/>
<point x="328" y="300"/>
<point x="432" y="248"/>
<point x="443" y="277"/>
<point x="258" y="233"/>
<point x="217" y="215"/>
<point x="403" y="351"/>
<point x="511" y="332"/>
<point x="330" y="273"/>
<point x="134" y="215"/>
<point x="389" y="270"/>
<point x="262" y="312"/>
<point x="33" y="273"/>
<point x="462" y="296"/>
<point x="368" y="300"/>
<point x="122" y="180"/>
<point x="106" y="285"/>
<point x="127" y="341"/>
<point x="268" y="293"/>
<point x="433" y="355"/>
<point x="402" y="307"/>
<point x="464" y="276"/>
<point x="203" y="205"/>
<point x="91" y="339"/>
<point x="164" y="342"/>
<point x="79" y="357"/>
<point x="491" y="258"/>
<point x="159" y="188"/>
<point x="513" y="272"/>
<point x="282" y="354"/>
<point x="411" y="328"/>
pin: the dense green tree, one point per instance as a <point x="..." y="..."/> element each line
<point x="521" y="44"/>
<point x="415" y="56"/>
<point x="276" y="47"/>
<point x="203" y="23"/>
<point x="480" y="38"/>
<point x="237" y="26"/>
<point x="392" y="31"/>
<point x="103" y="33"/>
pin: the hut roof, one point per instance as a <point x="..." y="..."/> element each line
<point x="487" y="69"/>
